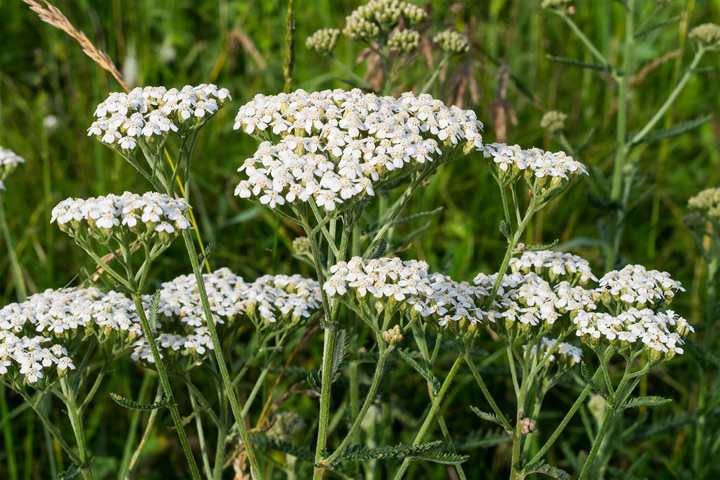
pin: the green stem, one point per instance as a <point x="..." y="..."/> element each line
<point x="145" y="436"/>
<point x="200" y="430"/>
<point x="361" y="415"/>
<point x="586" y="41"/>
<point x="132" y="429"/>
<point x="219" y="356"/>
<point x="8" y="436"/>
<point x="488" y="396"/>
<point x="431" y="413"/>
<point x="435" y="74"/>
<point x="18" y="279"/>
<point x="361" y="82"/>
<point x="177" y="420"/>
<point x="77" y="426"/>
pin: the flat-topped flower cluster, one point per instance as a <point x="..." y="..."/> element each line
<point x="335" y="145"/>
<point x="526" y="303"/>
<point x="147" y="115"/>
<point x="271" y="301"/>
<point x="118" y="215"/>
<point x="31" y="359"/>
<point x="540" y="169"/>
<point x="9" y="161"/>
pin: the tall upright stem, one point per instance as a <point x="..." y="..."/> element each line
<point x="20" y="290"/>
<point x="174" y="413"/>
<point x="77" y="425"/>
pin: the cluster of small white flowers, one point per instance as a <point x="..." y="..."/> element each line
<point x="660" y="334"/>
<point x="554" y="266"/>
<point x="535" y="165"/>
<point x="9" y="160"/>
<point x="377" y="18"/>
<point x="386" y="277"/>
<point x="73" y="312"/>
<point x="336" y="144"/>
<point x="323" y="41"/>
<point x="636" y="286"/>
<point x="574" y="298"/>
<point x="269" y="300"/>
<point x="149" y="114"/>
<point x="116" y="214"/>
<point x="564" y="352"/>
<point x="451" y="42"/>
<point x="31" y="357"/>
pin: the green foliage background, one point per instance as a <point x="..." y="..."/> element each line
<point x="240" y="45"/>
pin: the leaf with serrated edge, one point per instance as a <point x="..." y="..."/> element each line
<point x="133" y="405"/>
<point x="650" y="401"/>
<point x="427" y="375"/>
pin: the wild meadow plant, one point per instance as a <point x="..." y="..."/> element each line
<point x="342" y="165"/>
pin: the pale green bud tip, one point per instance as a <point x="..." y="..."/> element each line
<point x="556" y="4"/>
<point x="451" y="42"/>
<point x="404" y="41"/>
<point x="301" y="246"/>
<point x="323" y="41"/>
<point x="707" y="34"/>
<point x="553" y="121"/>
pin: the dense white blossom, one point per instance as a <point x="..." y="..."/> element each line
<point x="554" y="266"/>
<point x="149" y="114"/>
<point x="334" y="146"/>
<point x="119" y="215"/>
<point x="636" y="286"/>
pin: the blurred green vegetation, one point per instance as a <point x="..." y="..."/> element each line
<point x="49" y="90"/>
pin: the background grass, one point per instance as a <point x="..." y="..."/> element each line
<point x="46" y="80"/>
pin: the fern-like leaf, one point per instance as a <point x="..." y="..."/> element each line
<point x="540" y="248"/>
<point x="380" y="249"/>
<point x="426" y="374"/>
<point x="543" y="468"/>
<point x="490" y="417"/>
<point x="339" y="354"/>
<point x="575" y="63"/>
<point x="301" y="453"/>
<point x="677" y="129"/>
<point x="702" y="354"/>
<point x="650" y="401"/>
<point x="417" y="216"/>
<point x="153" y="310"/>
<point x="445" y="458"/>
<point x="133" y="405"/>
<point x="593" y="385"/>
<point x="483" y="439"/>
<point x="423" y="451"/>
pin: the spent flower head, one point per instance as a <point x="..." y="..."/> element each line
<point x="451" y="42"/>
<point x="323" y="41"/>
<point x="334" y="146"/>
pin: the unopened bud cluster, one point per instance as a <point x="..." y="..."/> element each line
<point x="377" y="18"/>
<point x="404" y="41"/>
<point x="706" y="206"/>
<point x="123" y="217"/>
<point x="147" y="115"/>
<point x="323" y="41"/>
<point x="707" y="34"/>
<point x="393" y="335"/>
<point x="451" y="42"/>
<point x="9" y="160"/>
<point x="553" y="121"/>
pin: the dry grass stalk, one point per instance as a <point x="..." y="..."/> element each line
<point x="53" y="16"/>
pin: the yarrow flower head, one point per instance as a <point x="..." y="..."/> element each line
<point x="451" y="42"/>
<point x="404" y="41"/>
<point x="323" y="41"/>
<point x="554" y="267"/>
<point x="546" y="173"/>
<point x="123" y="218"/>
<point x="707" y="35"/>
<point x="553" y="121"/>
<point x="335" y="145"/>
<point x="147" y="115"/>
<point x="9" y="161"/>
<point x="637" y="287"/>
<point x="270" y="302"/>
<point x="376" y="19"/>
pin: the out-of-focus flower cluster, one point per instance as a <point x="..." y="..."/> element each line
<point x="376" y="19"/>
<point x="323" y="41"/>
<point x="543" y="171"/>
<point x="146" y="116"/>
<point x="553" y="121"/>
<point x="404" y="41"/>
<point x="554" y="266"/>
<point x="451" y="42"/>
<point x="707" y="34"/>
<point x="123" y="217"/>
<point x="9" y="161"/>
<point x="269" y="302"/>
<point x="704" y="207"/>
<point x="36" y="335"/>
<point x="565" y="355"/>
<point x="335" y="145"/>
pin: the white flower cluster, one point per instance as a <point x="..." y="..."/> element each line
<point x="117" y="215"/>
<point x="270" y="301"/>
<point x="336" y="144"/>
<point x="451" y="42"/>
<point x="31" y="357"/>
<point x="565" y="353"/>
<point x="546" y="170"/>
<point x="9" y="160"/>
<point x="554" y="266"/>
<point x="72" y="313"/>
<point x="660" y="334"/>
<point x="636" y="286"/>
<point x="149" y="114"/>
<point x="377" y="18"/>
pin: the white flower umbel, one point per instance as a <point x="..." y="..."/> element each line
<point x="35" y="360"/>
<point x="145" y="116"/>
<point x="9" y="161"/>
<point x="636" y="286"/>
<point x="336" y="146"/>
<point x="555" y="267"/>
